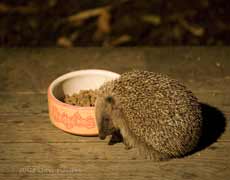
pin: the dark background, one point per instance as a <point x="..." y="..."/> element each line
<point x="114" y="23"/>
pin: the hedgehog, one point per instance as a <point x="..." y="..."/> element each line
<point x="149" y="111"/>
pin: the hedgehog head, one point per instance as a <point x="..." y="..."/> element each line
<point x="103" y="116"/>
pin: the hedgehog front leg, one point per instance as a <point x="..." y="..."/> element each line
<point x="116" y="138"/>
<point x="128" y="140"/>
<point x="127" y="144"/>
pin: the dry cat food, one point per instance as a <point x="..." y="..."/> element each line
<point x="83" y="98"/>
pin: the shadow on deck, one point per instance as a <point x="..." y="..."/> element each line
<point x="214" y="123"/>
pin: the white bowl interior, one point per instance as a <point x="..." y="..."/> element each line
<point x="75" y="81"/>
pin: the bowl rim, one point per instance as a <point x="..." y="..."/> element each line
<point x="73" y="74"/>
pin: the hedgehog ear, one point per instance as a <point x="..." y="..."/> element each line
<point x="110" y="100"/>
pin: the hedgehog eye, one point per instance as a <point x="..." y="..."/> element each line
<point x="106" y="119"/>
<point x="110" y="99"/>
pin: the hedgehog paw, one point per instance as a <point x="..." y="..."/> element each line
<point x="127" y="144"/>
<point x="127" y="147"/>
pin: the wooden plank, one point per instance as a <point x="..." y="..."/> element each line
<point x="133" y="169"/>
<point x="28" y="140"/>
<point x="34" y="129"/>
<point x="200" y="68"/>
<point x="37" y="103"/>
<point x="11" y="152"/>
<point x="38" y="128"/>
<point x="23" y="104"/>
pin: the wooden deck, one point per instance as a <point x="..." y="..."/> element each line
<point x="32" y="148"/>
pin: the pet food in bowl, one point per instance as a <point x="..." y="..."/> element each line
<point x="83" y="98"/>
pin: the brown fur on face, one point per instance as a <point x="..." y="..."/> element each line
<point x="103" y="116"/>
<point x="106" y="117"/>
<point x="111" y="121"/>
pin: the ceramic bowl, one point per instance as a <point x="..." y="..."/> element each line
<point x="75" y="119"/>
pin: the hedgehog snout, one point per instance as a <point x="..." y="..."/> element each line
<point x="102" y="135"/>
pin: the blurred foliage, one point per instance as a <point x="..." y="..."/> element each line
<point x="70" y="23"/>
